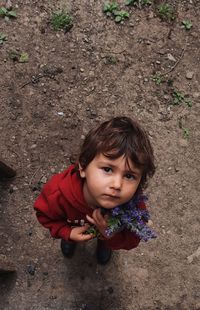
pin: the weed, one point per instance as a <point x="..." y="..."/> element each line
<point x="186" y="133"/>
<point x="111" y="60"/>
<point x="187" y="24"/>
<point x="166" y="11"/>
<point x="3" y="38"/>
<point x="138" y="3"/>
<point x="17" y="56"/>
<point x="61" y="20"/>
<point x="7" y="14"/>
<point x="179" y="98"/>
<point x="120" y="16"/>
<point x="109" y="8"/>
<point x="112" y="10"/>
<point x="157" y="79"/>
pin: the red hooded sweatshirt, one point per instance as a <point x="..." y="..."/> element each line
<point x="61" y="205"/>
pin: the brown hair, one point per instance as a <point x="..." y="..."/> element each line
<point x="117" y="137"/>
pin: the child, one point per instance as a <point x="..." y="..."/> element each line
<point x="115" y="162"/>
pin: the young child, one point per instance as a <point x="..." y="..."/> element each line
<point x="115" y="162"/>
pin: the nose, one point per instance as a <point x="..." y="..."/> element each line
<point x="116" y="182"/>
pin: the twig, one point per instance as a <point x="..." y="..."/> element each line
<point x="174" y="66"/>
<point x="34" y="174"/>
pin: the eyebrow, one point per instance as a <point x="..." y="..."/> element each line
<point x="136" y="172"/>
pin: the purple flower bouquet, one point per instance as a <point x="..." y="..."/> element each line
<point x="130" y="216"/>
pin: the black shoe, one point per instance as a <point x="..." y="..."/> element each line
<point x="67" y="248"/>
<point x="103" y="253"/>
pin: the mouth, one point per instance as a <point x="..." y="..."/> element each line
<point x="111" y="196"/>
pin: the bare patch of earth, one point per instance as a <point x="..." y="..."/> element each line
<point x="71" y="82"/>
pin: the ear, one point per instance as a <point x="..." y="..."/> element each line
<point x="81" y="171"/>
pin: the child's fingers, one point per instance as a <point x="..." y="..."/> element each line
<point x="100" y="220"/>
<point x="90" y="219"/>
<point x="82" y="229"/>
<point x="87" y="237"/>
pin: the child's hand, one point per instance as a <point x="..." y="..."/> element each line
<point x="99" y="221"/>
<point x="77" y="234"/>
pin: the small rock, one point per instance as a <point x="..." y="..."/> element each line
<point x="158" y="62"/>
<point x="194" y="255"/>
<point x="189" y="75"/>
<point x="183" y="142"/>
<point x="43" y="180"/>
<point x="61" y="113"/>
<point x="196" y="95"/>
<point x="81" y="69"/>
<point x="8" y="5"/>
<point x="30" y="269"/>
<point x="33" y="146"/>
<point x="171" y="57"/>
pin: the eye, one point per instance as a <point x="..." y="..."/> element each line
<point x="107" y="169"/>
<point x="130" y="176"/>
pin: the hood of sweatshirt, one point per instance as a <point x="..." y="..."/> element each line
<point x="71" y="187"/>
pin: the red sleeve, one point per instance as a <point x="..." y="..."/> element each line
<point x="124" y="240"/>
<point x="49" y="211"/>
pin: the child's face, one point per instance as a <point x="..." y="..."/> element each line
<point x="110" y="182"/>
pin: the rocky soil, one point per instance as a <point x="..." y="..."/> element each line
<point x="146" y="68"/>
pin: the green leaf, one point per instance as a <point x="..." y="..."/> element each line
<point x="118" y="19"/>
<point x="186" y="133"/>
<point x="187" y="24"/>
<point x="130" y="2"/>
<point x="3" y="11"/>
<point x="2" y="38"/>
<point x="12" y="14"/>
<point x="13" y="55"/>
<point x="23" y="57"/>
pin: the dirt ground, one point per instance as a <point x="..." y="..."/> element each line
<point x="71" y="82"/>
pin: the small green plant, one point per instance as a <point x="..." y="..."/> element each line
<point x="109" y="8"/>
<point x="166" y="11"/>
<point x="120" y="16"/>
<point x="187" y="24"/>
<point x="111" y="60"/>
<point x="138" y="3"/>
<point x="112" y="10"/>
<point x="3" y="38"/>
<point x="61" y="20"/>
<point x="19" y="56"/>
<point x="7" y="14"/>
<point x="157" y="79"/>
<point x="179" y="98"/>
<point x="186" y="133"/>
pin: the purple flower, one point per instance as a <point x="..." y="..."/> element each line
<point x="130" y="216"/>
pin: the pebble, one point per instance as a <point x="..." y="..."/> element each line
<point x="171" y="57"/>
<point x="33" y="146"/>
<point x="183" y="142"/>
<point x="189" y="75"/>
<point x="158" y="62"/>
<point x="30" y="269"/>
<point x="196" y="254"/>
<point x="8" y="5"/>
<point x="43" y="180"/>
<point x="151" y="15"/>
<point x="196" y="95"/>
